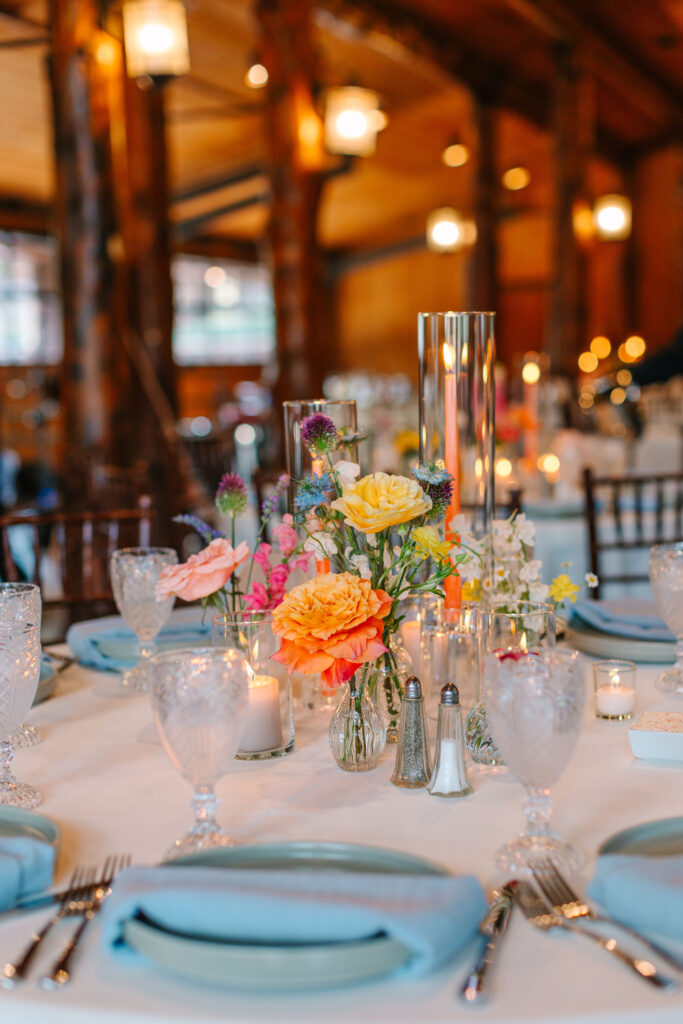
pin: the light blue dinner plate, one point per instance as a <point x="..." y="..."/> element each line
<point x="662" y="838"/>
<point x="611" y="645"/>
<point x="15" y="822"/>
<point x="261" y="968"/>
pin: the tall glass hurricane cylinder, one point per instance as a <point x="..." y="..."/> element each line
<point x="300" y="461"/>
<point x="457" y="354"/>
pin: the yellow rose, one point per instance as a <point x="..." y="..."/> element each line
<point x="377" y="501"/>
<point x="429" y="543"/>
<point x="471" y="591"/>
<point x="563" y="588"/>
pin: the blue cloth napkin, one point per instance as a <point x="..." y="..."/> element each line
<point x="635" y="619"/>
<point x="645" y="893"/>
<point x="107" y="644"/>
<point x="433" y="917"/>
<point x="26" y="867"/>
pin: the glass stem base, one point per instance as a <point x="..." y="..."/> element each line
<point x="206" y="833"/>
<point x="12" y="792"/>
<point x="671" y="681"/>
<point x="538" y="841"/>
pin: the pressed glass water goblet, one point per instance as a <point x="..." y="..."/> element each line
<point x="135" y="573"/>
<point x="666" y="579"/>
<point x="199" y="700"/>
<point x="19" y="675"/>
<point x="531" y="625"/>
<point x="534" y="703"/>
<point x="22" y="603"/>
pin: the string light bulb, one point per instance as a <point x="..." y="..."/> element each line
<point x="352" y="120"/>
<point x="155" y="38"/>
<point x="612" y="217"/>
<point x="445" y="230"/>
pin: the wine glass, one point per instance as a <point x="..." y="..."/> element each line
<point x="534" y="703"/>
<point x="19" y="675"/>
<point x="199" y="700"/>
<point x="666" y="579"/>
<point x="135" y="573"/>
<point x="21" y="602"/>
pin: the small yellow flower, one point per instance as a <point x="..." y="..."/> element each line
<point x="471" y="591"/>
<point x="407" y="441"/>
<point x="429" y="543"/>
<point x="563" y="588"/>
<point x="379" y="500"/>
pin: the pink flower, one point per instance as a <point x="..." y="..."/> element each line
<point x="203" y="573"/>
<point x="262" y="556"/>
<point x="286" y="536"/>
<point x="258" y="600"/>
<point x="301" y="561"/>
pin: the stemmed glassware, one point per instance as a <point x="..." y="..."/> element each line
<point x="534" y="703"/>
<point x="199" y="700"/>
<point x="135" y="573"/>
<point x="19" y="675"/>
<point x="19" y="603"/>
<point x="666" y="579"/>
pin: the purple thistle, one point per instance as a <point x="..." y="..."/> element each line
<point x="319" y="433"/>
<point x="231" y="496"/>
<point x="440" y="494"/>
<point x="205" y="530"/>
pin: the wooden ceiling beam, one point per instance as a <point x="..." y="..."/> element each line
<point x="19" y="215"/>
<point x="622" y="71"/>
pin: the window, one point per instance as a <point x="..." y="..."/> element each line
<point x="30" y="315"/>
<point x="223" y="312"/>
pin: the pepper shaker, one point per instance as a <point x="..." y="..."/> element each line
<point x="449" y="777"/>
<point x="413" y="762"/>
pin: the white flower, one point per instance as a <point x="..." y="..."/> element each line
<point x="469" y="570"/>
<point x="538" y="592"/>
<point x="526" y="530"/>
<point x="388" y="558"/>
<point x="347" y="473"/>
<point x="529" y="572"/>
<point x="459" y="523"/>
<point x="320" y="541"/>
<point x="371" y="540"/>
<point x="487" y="583"/>
<point x="362" y="566"/>
<point x="591" y="580"/>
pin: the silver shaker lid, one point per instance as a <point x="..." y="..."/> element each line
<point x="450" y="695"/>
<point x="413" y="689"/>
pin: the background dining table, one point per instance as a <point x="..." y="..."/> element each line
<point x="110" y="786"/>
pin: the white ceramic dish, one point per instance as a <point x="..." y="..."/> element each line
<point x="657" y="735"/>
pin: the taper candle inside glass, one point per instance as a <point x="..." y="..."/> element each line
<point x="615" y="689"/>
<point x="452" y="584"/>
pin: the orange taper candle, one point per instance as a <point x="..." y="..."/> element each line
<point x="452" y="584"/>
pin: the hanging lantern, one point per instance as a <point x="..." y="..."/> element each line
<point x="612" y="217"/>
<point x="352" y="120"/>
<point x="155" y="38"/>
<point x="446" y="230"/>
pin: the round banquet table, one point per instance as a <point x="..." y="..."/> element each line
<point x="109" y="785"/>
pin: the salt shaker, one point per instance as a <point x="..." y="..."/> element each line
<point x="413" y="763"/>
<point x="449" y="777"/>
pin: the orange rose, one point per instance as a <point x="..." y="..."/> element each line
<point x="332" y="624"/>
<point x="204" y="573"/>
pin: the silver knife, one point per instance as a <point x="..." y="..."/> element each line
<point x="492" y="928"/>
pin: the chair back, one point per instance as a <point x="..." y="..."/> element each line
<point x="627" y="513"/>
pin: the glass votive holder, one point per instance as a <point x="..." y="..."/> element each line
<point x="615" y="689"/>
<point x="451" y="652"/>
<point x="268" y="729"/>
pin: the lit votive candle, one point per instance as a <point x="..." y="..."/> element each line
<point x="615" y="689"/>
<point x="262" y="724"/>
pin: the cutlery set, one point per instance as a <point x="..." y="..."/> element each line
<point x="549" y="903"/>
<point x="84" y="897"/>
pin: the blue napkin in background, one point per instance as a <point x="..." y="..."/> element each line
<point x="26" y="867"/>
<point x="109" y="645"/>
<point x="626" y="617"/>
<point x="434" y="917"/>
<point x="645" y="893"/>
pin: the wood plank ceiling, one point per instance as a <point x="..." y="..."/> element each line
<point x="508" y="47"/>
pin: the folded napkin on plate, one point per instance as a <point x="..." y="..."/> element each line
<point x="431" y="916"/>
<point x="631" y="618"/>
<point x="107" y="644"/>
<point x="26" y="867"/>
<point x="645" y="893"/>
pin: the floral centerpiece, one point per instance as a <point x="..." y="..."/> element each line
<point x="379" y="529"/>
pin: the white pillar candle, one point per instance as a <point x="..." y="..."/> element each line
<point x="262" y="725"/>
<point x="410" y="635"/>
<point x="614" y="700"/>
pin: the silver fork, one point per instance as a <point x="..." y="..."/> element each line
<point x="60" y="974"/>
<point x="540" y="915"/>
<point x="568" y="904"/>
<point x="72" y="903"/>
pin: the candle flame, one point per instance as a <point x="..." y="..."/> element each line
<point x="448" y="357"/>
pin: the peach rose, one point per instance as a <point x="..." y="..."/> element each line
<point x="380" y="500"/>
<point x="204" y="573"/>
<point x="332" y="624"/>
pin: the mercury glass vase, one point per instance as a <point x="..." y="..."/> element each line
<point x="357" y="731"/>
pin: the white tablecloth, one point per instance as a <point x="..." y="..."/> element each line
<point x="109" y="784"/>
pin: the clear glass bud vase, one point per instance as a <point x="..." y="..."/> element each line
<point x="385" y="679"/>
<point x="357" y="730"/>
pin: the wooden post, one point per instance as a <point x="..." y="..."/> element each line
<point x="94" y="362"/>
<point x="573" y="135"/>
<point x="294" y="133"/>
<point x="484" y="293"/>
